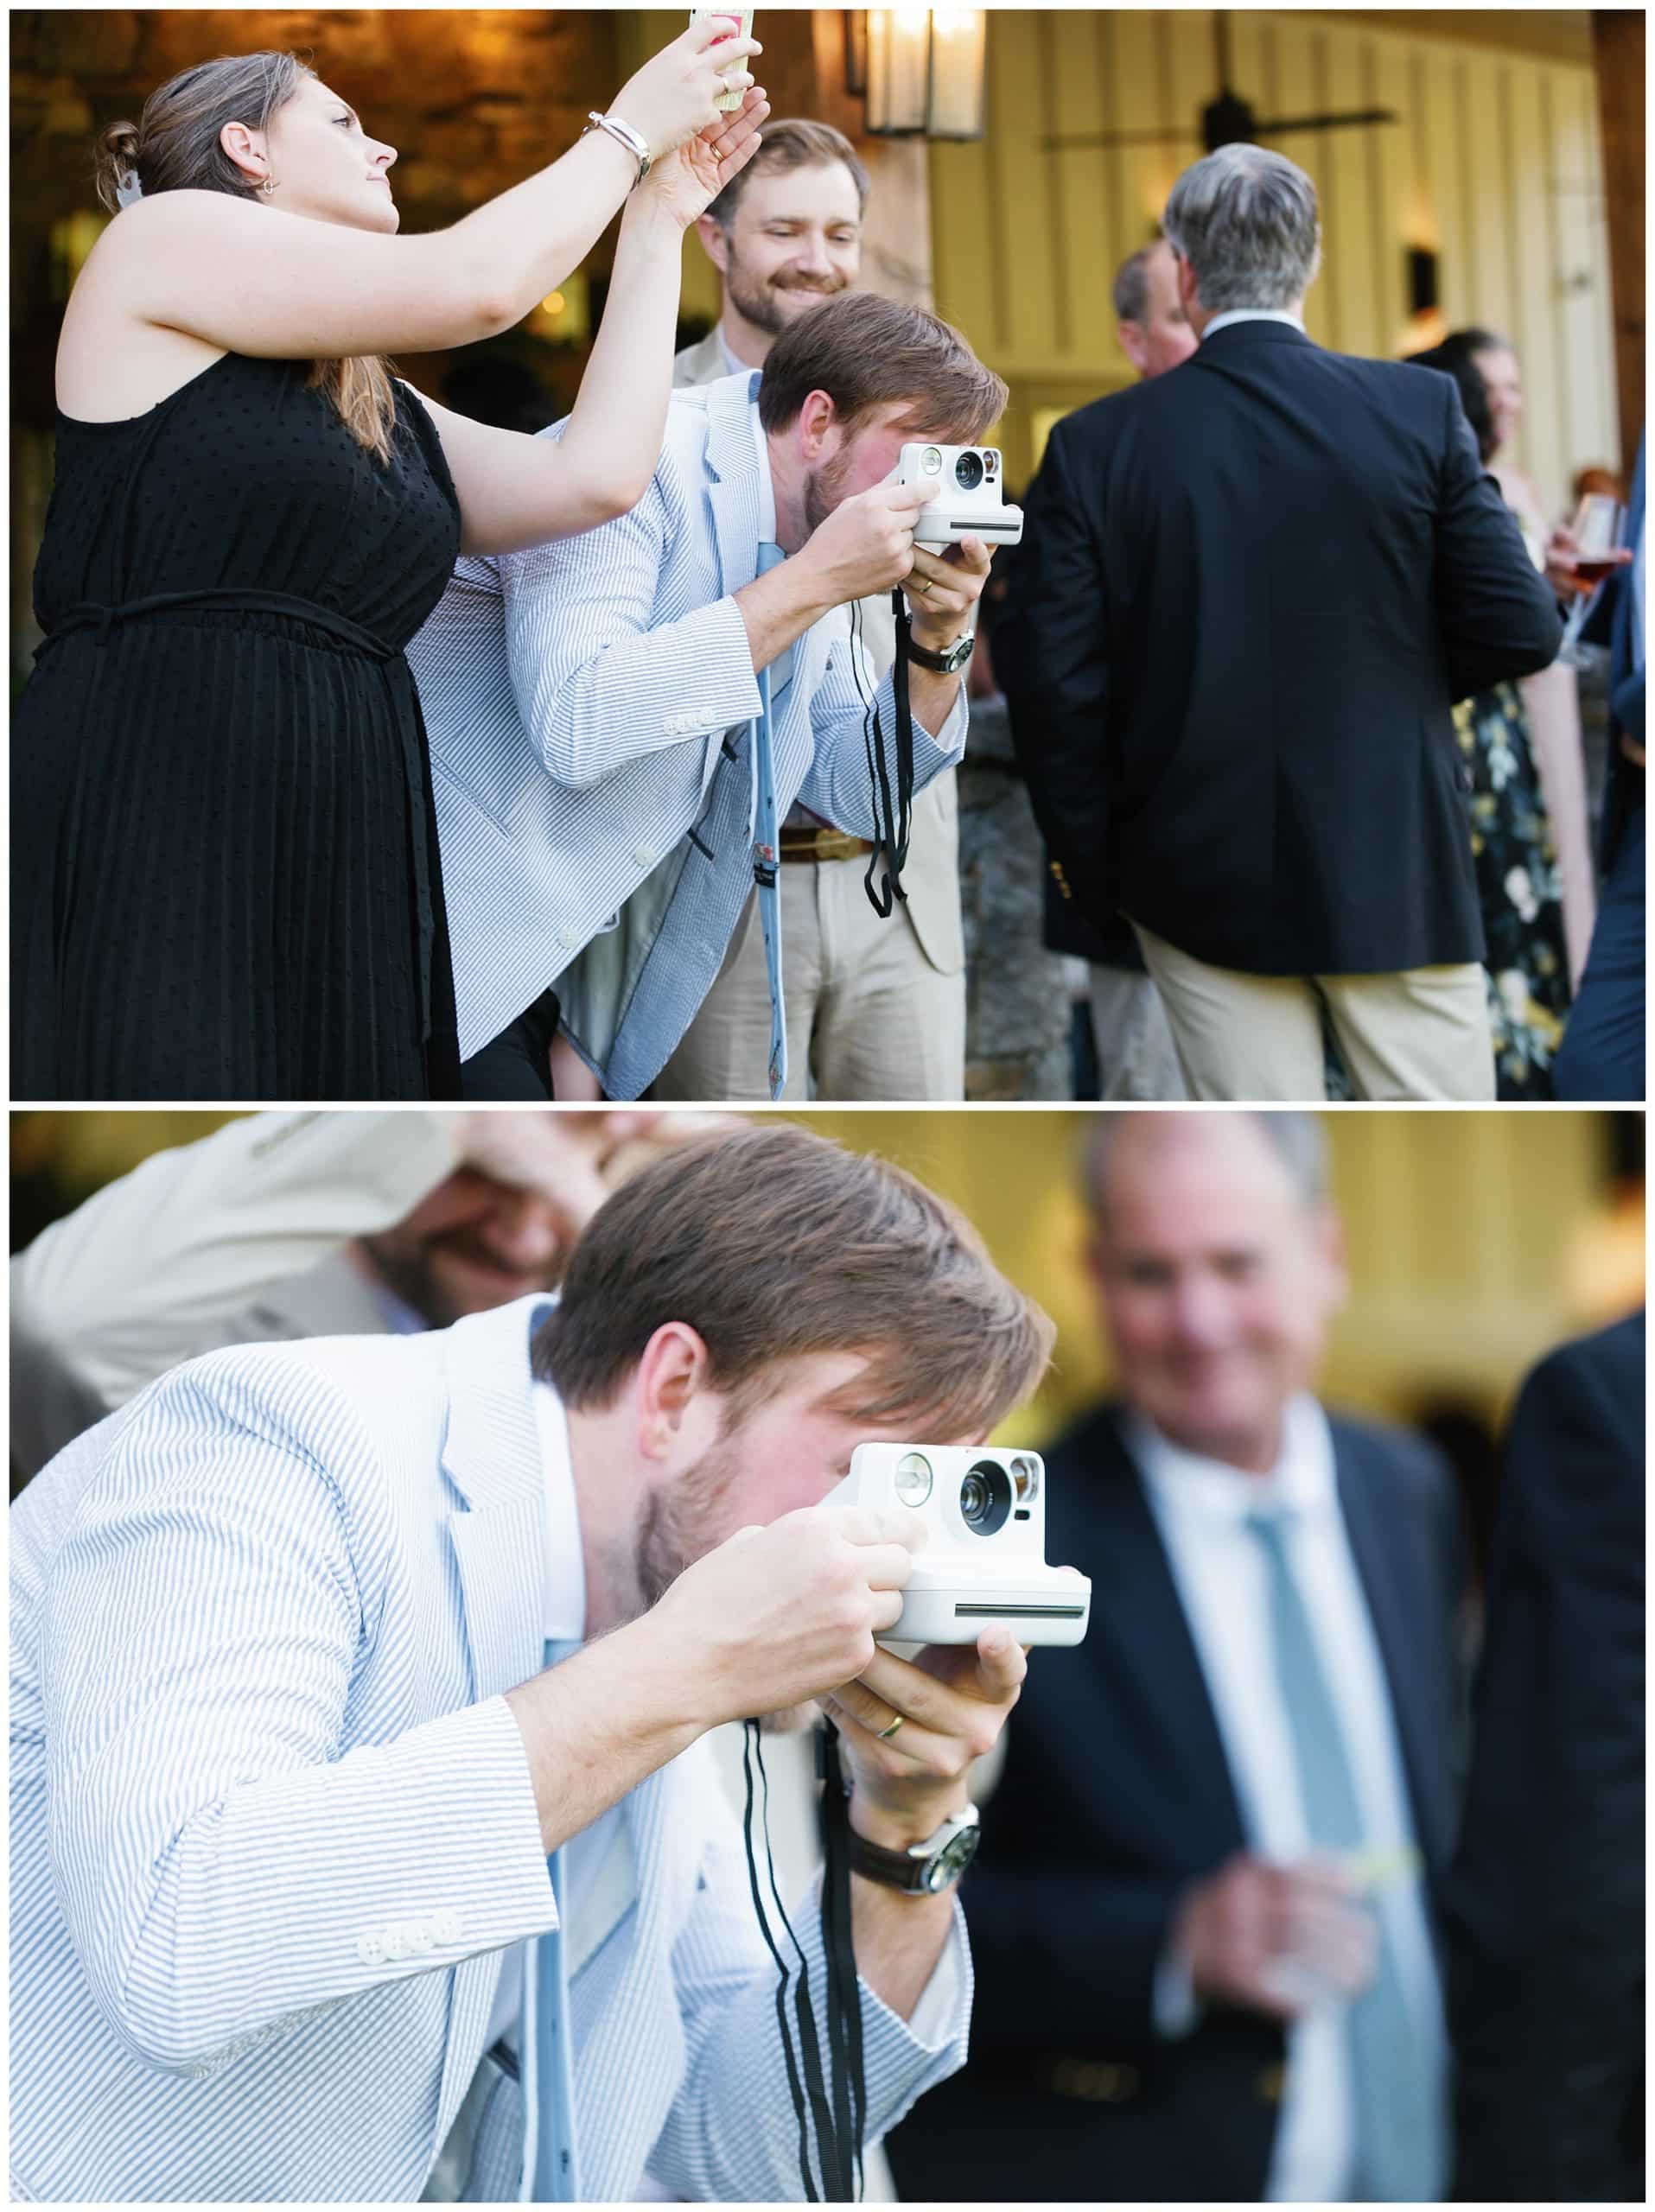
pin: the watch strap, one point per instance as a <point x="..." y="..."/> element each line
<point x="907" y="1871"/>
<point x="948" y="663"/>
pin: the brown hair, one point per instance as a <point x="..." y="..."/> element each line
<point x="864" y="351"/>
<point x="773" y="1244"/>
<point x="791" y="144"/>
<point x="174" y="146"/>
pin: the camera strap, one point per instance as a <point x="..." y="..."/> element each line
<point x="893" y="817"/>
<point x="833" y="2103"/>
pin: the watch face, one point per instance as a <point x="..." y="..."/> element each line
<point x="952" y="1859"/>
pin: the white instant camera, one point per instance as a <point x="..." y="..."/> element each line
<point x="965" y="484"/>
<point x="983" y="1561"/>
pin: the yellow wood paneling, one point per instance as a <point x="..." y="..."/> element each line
<point x="1476" y="1240"/>
<point x="1494" y="165"/>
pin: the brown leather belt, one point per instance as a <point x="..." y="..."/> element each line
<point x="823" y="845"/>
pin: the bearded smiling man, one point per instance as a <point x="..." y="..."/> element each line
<point x="791" y="236"/>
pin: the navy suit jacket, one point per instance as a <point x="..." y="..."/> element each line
<point x="1610" y="623"/>
<point x="1546" y="1912"/>
<point x="1116" y="1795"/>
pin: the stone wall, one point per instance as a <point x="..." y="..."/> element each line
<point x="1016" y="1001"/>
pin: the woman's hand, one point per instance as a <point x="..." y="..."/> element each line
<point x="684" y="183"/>
<point x="676" y="94"/>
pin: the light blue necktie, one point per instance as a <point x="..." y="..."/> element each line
<point x="767" y="838"/>
<point x="551" y="2174"/>
<point x="1401" y="2149"/>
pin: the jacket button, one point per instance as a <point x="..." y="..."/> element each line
<point x="395" y="1941"/>
<point x="1271" y="2084"/>
<point x="371" y="1950"/>
<point x="445" y="1926"/>
<point x="569" y="938"/>
<point x="420" y="1939"/>
<point x="644" y="856"/>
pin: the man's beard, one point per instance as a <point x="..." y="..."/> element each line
<point x="761" y="304"/>
<point x="676" y="1525"/>
<point x="823" y="488"/>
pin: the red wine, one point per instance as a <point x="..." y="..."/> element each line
<point x="1591" y="569"/>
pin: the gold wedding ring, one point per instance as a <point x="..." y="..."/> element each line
<point x="885" y="1734"/>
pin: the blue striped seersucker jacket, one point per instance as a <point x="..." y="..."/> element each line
<point x="272" y="1827"/>
<point x="588" y="704"/>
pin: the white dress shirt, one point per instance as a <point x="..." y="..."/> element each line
<point x="1201" y="1508"/>
<point x="1251" y="314"/>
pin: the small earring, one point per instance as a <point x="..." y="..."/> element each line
<point x="268" y="185"/>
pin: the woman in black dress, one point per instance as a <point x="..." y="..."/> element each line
<point x="224" y="862"/>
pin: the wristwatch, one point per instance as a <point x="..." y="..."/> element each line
<point x="923" y="1869"/>
<point x="948" y="663"/>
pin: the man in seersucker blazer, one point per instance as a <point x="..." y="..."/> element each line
<point x="876" y="1006"/>
<point x="590" y="703"/>
<point x="286" y="1768"/>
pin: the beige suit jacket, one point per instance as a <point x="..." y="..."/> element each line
<point x="240" y="1238"/>
<point x="931" y="876"/>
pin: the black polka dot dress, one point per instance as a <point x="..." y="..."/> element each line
<point x="225" y="876"/>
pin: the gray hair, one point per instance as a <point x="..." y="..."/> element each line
<point x="1130" y="290"/>
<point x="1245" y="220"/>
<point x="1298" y="1140"/>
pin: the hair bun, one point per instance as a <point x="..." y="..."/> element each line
<point x="117" y="162"/>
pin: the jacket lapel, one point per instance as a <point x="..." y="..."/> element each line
<point x="1378" y="1546"/>
<point x="1137" y="1605"/>
<point x="491" y="1455"/>
<point x="733" y="494"/>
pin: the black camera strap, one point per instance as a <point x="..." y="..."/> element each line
<point x="834" y="2104"/>
<point x="892" y="815"/>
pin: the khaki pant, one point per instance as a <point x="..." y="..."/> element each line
<point x="1422" y="1034"/>
<point x="867" y="1015"/>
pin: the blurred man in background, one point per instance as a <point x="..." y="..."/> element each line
<point x="1137" y="1057"/>
<point x="1546" y="1911"/>
<point x="879" y="1006"/>
<point x="1151" y="326"/>
<point x="1203" y="1924"/>
<point x="284" y="1225"/>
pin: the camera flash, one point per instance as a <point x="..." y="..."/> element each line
<point x="1025" y="1477"/>
<point x="914" y="1480"/>
<point x="930" y="462"/>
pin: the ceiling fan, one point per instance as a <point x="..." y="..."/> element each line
<point x="1227" y="119"/>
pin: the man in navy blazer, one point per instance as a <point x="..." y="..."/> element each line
<point x="1161" y="1936"/>
<point x="1250" y="592"/>
<point x="1546" y="1915"/>
<point x="1602" y="1053"/>
<point x="591" y="702"/>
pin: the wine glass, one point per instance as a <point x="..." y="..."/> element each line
<point x="1597" y="532"/>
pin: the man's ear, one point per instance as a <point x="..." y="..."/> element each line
<point x="714" y="244"/>
<point x="1130" y="335"/>
<point x="817" y="420"/>
<point x="674" y="1371"/>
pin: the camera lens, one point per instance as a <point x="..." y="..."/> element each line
<point x="986" y="1498"/>
<point x="968" y="471"/>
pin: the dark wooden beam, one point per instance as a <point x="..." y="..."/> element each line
<point x="1618" y="54"/>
